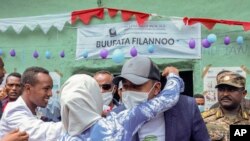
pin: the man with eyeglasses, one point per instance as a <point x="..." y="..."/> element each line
<point x="12" y="88"/>
<point x="104" y="79"/>
<point x="231" y="91"/>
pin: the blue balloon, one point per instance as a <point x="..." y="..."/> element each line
<point x="47" y="54"/>
<point x="151" y="48"/>
<point x="240" y="40"/>
<point x="85" y="53"/>
<point x="1" y="52"/>
<point x="211" y="38"/>
<point x="118" y="56"/>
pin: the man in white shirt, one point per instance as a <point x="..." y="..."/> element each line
<point x="37" y="89"/>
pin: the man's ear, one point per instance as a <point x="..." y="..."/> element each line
<point x="157" y="88"/>
<point x="27" y="87"/>
<point x="245" y="93"/>
<point x="114" y="89"/>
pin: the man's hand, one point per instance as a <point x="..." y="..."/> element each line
<point x="169" y="70"/>
<point x="16" y="135"/>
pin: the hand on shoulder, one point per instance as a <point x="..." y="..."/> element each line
<point x="16" y="135"/>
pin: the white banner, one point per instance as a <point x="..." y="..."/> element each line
<point x="210" y="93"/>
<point x="167" y="39"/>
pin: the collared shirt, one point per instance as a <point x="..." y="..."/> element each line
<point x="18" y="115"/>
<point x="218" y="124"/>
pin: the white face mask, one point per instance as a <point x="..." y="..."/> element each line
<point x="133" y="98"/>
<point x="107" y="97"/>
<point x="201" y="108"/>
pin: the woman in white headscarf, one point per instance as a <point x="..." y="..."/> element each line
<point x="82" y="104"/>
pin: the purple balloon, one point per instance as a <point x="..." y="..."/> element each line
<point x="133" y="52"/>
<point x="227" y="40"/>
<point x="12" y="53"/>
<point x="104" y="53"/>
<point x="205" y="43"/>
<point x="191" y="43"/>
<point x="35" y="54"/>
<point x="62" y="54"/>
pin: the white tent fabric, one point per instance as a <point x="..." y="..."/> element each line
<point x="45" y="22"/>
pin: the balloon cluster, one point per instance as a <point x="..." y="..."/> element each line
<point x="211" y="38"/>
<point x="207" y="42"/>
<point x="35" y="54"/>
<point x="118" y="54"/>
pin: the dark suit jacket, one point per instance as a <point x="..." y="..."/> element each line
<point x="1" y="113"/>
<point x="183" y="122"/>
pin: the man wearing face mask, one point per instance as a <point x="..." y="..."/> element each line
<point x="141" y="81"/>
<point x="200" y="101"/>
<point x="104" y="79"/>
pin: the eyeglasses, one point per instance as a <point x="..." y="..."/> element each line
<point x="106" y="86"/>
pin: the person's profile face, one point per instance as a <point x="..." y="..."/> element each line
<point x="42" y="90"/>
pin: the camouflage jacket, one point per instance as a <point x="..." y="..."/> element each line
<point x="218" y="124"/>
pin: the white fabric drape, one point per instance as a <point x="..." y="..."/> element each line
<point x="81" y="103"/>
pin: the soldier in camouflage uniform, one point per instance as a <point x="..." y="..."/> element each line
<point x="245" y="102"/>
<point x="231" y="91"/>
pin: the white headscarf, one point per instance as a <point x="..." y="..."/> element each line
<point x="81" y="103"/>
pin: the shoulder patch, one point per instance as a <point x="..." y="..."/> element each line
<point x="208" y="113"/>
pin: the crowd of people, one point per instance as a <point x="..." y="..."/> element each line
<point x="144" y="110"/>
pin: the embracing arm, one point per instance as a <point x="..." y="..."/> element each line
<point x="123" y="125"/>
<point x="165" y="100"/>
<point x="36" y="128"/>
